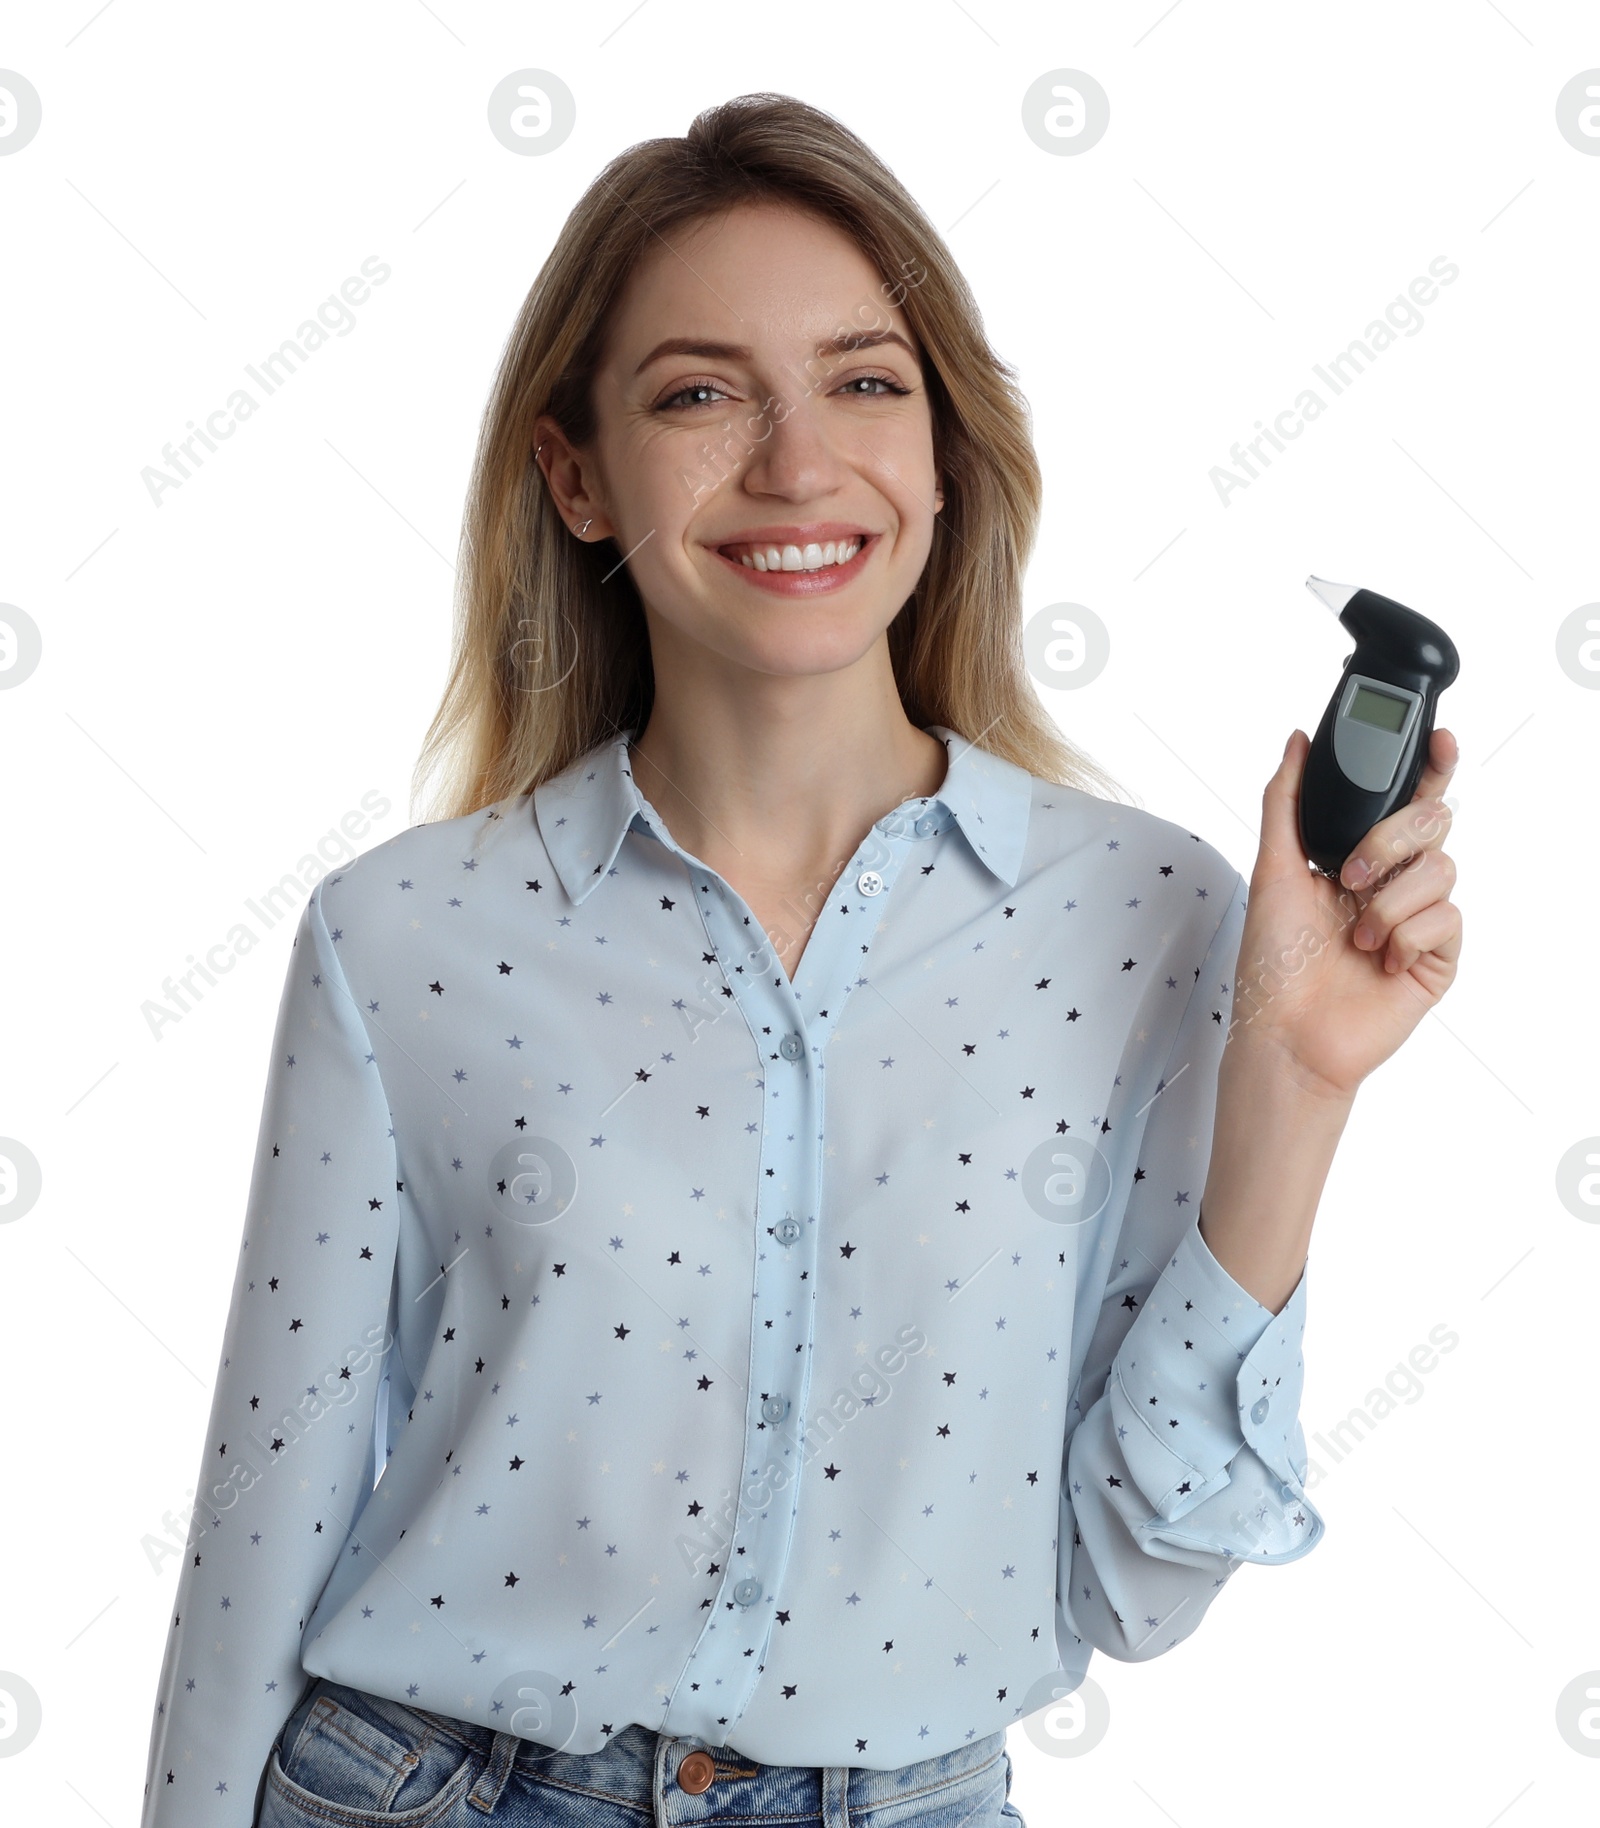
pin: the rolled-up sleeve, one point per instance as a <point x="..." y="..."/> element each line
<point x="1190" y="1457"/>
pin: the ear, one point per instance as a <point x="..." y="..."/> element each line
<point x="938" y="498"/>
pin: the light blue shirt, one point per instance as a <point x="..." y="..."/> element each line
<point x="825" y="1369"/>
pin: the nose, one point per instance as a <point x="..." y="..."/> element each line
<point x="787" y="451"/>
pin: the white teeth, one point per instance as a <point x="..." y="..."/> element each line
<point x="793" y="558"/>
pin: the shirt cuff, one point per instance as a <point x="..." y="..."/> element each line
<point x="1204" y="1371"/>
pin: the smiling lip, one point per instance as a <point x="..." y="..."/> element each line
<point x="797" y="534"/>
<point x="800" y="583"/>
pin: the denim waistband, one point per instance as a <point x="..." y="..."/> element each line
<point x="632" y="1762"/>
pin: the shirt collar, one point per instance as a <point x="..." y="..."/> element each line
<point x="585" y="811"/>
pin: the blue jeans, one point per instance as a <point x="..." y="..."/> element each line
<point x="347" y="1759"/>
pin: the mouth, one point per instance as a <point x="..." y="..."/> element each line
<point x="793" y="569"/>
<point x="777" y="555"/>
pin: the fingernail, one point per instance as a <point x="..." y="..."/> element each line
<point x="1356" y="873"/>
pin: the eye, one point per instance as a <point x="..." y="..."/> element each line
<point x="693" y="387"/>
<point x="850" y="389"/>
<point x="887" y="381"/>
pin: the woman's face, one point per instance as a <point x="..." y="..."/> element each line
<point x="729" y="421"/>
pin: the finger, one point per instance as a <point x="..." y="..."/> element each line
<point x="1435" y="928"/>
<point x="1280" y="851"/>
<point x="1420" y="826"/>
<point x="1443" y="754"/>
<point x="1428" y="878"/>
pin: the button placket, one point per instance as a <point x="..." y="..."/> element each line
<point x="721" y="1669"/>
<point x="833" y="957"/>
<point x="791" y="1025"/>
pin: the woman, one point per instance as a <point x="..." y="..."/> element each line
<point x="739" y="1169"/>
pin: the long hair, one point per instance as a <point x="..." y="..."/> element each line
<point x="551" y="650"/>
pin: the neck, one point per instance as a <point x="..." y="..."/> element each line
<point x="774" y="771"/>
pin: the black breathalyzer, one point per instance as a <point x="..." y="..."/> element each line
<point x="1372" y="743"/>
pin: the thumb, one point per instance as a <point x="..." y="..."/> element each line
<point x="1280" y="853"/>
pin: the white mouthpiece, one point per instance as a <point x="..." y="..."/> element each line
<point x="1334" y="595"/>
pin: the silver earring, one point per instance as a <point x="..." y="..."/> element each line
<point x="586" y="526"/>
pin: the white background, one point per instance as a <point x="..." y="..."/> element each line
<point x="225" y="675"/>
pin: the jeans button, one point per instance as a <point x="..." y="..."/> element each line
<point x="696" y="1772"/>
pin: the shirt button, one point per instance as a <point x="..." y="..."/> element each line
<point x="1259" y="1408"/>
<point x="695" y="1772"/>
<point x="791" y="1047"/>
<point x="926" y="826"/>
<point x="747" y="1592"/>
<point x="786" y="1230"/>
<point x="775" y="1408"/>
<point x="870" y="882"/>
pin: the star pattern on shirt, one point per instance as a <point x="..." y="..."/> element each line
<point x="760" y="1266"/>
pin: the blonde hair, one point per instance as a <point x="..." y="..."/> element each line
<point x="551" y="651"/>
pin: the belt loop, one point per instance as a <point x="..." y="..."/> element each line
<point x="485" y="1793"/>
<point x="835" y="1796"/>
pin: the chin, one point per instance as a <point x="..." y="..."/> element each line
<point x="800" y="651"/>
<point x="787" y="648"/>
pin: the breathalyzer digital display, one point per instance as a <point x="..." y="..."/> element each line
<point x="1369" y="749"/>
<point x="1370" y="707"/>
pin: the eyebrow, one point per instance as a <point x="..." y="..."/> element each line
<point x="844" y="342"/>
